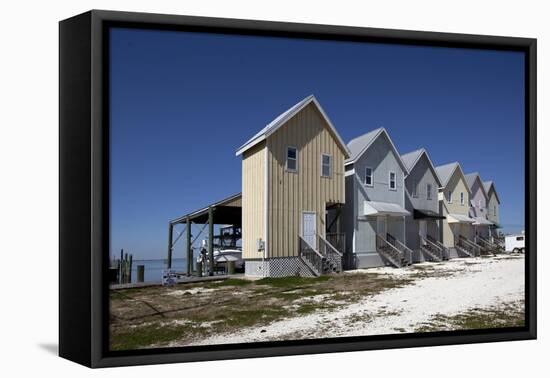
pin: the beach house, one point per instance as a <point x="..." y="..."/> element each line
<point x="374" y="210"/>
<point x="292" y="193"/>
<point x="421" y="200"/>
<point x="454" y="200"/>
<point x="493" y="205"/>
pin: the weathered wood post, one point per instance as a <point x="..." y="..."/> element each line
<point x="130" y="269"/>
<point x="120" y="269"/>
<point x="189" y="250"/>
<point x="170" y="233"/>
<point x="211" y="240"/>
<point x="140" y="273"/>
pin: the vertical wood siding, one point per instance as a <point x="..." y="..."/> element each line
<point x="456" y="184"/>
<point x="253" y="200"/>
<point x="291" y="193"/>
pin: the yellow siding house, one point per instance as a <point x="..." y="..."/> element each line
<point x="454" y="204"/>
<point x="292" y="188"/>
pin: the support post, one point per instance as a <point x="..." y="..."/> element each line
<point x="169" y="257"/>
<point x="211" y="240"/>
<point x="189" y="250"/>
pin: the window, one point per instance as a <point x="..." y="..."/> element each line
<point x="495" y="210"/>
<point x="326" y="166"/>
<point x="429" y="191"/>
<point x="479" y="204"/>
<point x="368" y="176"/>
<point x="462" y="198"/>
<point x="414" y="189"/>
<point x="519" y="238"/>
<point x="392" y="181"/>
<point x="291" y="159"/>
<point x="450" y="196"/>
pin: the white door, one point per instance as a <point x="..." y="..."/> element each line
<point x="309" y="228"/>
<point x="381" y="226"/>
<point x="423" y="230"/>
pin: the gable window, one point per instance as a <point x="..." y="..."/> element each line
<point x="368" y="176"/>
<point x="392" y="181"/>
<point x="414" y="189"/>
<point x="479" y="204"/>
<point x="495" y="210"/>
<point x="429" y="191"/>
<point x="462" y="198"/>
<point x="450" y="196"/>
<point x="326" y="165"/>
<point x="291" y="159"/>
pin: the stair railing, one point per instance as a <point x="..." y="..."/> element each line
<point x="311" y="256"/>
<point x="434" y="246"/>
<point x="330" y="253"/>
<point x="469" y="245"/>
<point x="405" y="251"/>
<point x="381" y="242"/>
<point x="444" y="250"/>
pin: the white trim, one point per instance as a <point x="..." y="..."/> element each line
<point x="302" y="225"/>
<point x="295" y="170"/>
<point x="266" y="201"/>
<point x="349" y="173"/>
<point x="371" y="177"/>
<point x="277" y="123"/>
<point x="394" y="181"/>
<point x="330" y="169"/>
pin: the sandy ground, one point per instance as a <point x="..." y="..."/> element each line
<point x="447" y="288"/>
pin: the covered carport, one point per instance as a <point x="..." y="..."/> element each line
<point x="225" y="212"/>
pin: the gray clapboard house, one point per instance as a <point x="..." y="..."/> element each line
<point x="374" y="210"/>
<point x="421" y="200"/>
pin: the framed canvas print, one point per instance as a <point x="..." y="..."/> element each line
<point x="234" y="188"/>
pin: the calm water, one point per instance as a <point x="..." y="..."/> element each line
<point x="154" y="268"/>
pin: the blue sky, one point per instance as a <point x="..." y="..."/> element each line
<point x="181" y="103"/>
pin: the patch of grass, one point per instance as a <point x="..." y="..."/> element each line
<point x="248" y="317"/>
<point x="503" y="316"/>
<point x="289" y="282"/>
<point x="143" y="337"/>
<point x="230" y="282"/>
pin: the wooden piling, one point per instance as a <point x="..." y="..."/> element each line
<point x="189" y="249"/>
<point x="170" y="233"/>
<point x="211" y="240"/>
<point x="140" y="273"/>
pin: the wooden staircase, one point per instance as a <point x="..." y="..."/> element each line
<point x="324" y="260"/>
<point x="444" y="251"/>
<point x="431" y="251"/>
<point x="486" y="246"/>
<point x="392" y="251"/>
<point x="467" y="247"/>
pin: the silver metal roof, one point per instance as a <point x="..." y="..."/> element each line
<point x="361" y="144"/>
<point x="282" y="118"/>
<point x="487" y="185"/>
<point x="410" y="159"/>
<point x="471" y="179"/>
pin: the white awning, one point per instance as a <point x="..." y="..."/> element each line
<point x="459" y="218"/>
<point x="480" y="221"/>
<point x="384" y="208"/>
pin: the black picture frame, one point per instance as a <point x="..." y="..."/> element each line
<point x="84" y="194"/>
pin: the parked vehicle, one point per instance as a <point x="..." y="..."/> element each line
<point x="515" y="243"/>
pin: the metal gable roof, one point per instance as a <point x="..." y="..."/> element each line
<point x="487" y="186"/>
<point x="282" y="118"/>
<point x="445" y="172"/>
<point x="471" y="179"/>
<point x="358" y="146"/>
<point x="412" y="158"/>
